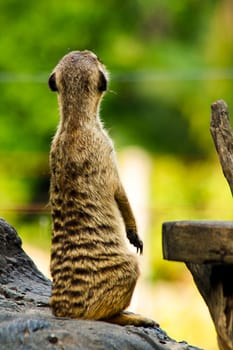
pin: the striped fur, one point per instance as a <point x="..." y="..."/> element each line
<point x="93" y="272"/>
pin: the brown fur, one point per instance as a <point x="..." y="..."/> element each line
<point x="93" y="272"/>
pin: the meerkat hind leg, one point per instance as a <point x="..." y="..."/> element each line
<point x="126" y="318"/>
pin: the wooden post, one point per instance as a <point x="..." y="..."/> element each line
<point x="223" y="138"/>
<point x="207" y="246"/>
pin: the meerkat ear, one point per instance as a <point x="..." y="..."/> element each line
<point x="102" y="85"/>
<point x="52" y="82"/>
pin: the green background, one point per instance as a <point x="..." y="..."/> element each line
<point x="168" y="61"/>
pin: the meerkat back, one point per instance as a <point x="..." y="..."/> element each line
<point x="93" y="272"/>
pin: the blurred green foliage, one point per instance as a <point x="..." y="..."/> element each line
<point x="168" y="61"/>
<point x="154" y="49"/>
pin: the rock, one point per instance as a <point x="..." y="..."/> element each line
<point x="26" y="321"/>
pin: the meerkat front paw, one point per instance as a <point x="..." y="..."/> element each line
<point x="135" y="240"/>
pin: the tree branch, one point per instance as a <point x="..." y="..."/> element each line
<point x="223" y="138"/>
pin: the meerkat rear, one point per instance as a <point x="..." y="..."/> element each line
<point x="93" y="272"/>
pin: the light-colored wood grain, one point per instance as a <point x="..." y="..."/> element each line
<point x="198" y="241"/>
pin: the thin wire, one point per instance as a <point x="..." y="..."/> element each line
<point x="6" y="77"/>
<point x="202" y="74"/>
<point x="176" y="75"/>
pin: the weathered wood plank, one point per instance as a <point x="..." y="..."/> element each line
<point x="198" y="241"/>
<point x="207" y="249"/>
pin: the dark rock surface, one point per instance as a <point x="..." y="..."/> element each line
<point x="26" y="322"/>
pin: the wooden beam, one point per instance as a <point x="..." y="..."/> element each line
<point x="207" y="249"/>
<point x="198" y="241"/>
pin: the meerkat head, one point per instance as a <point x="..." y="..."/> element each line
<point x="79" y="73"/>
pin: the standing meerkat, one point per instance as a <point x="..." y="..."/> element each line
<point x="94" y="274"/>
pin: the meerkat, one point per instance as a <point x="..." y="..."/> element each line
<point x="93" y="272"/>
